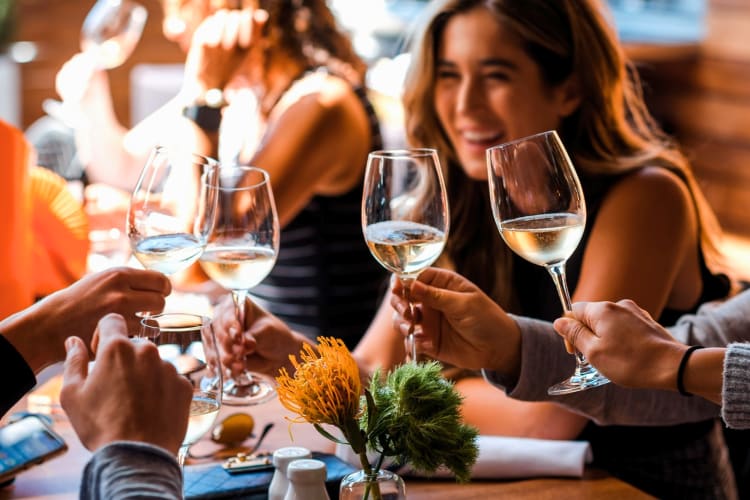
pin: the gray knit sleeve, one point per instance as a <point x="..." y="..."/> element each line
<point x="544" y="362"/>
<point x="735" y="395"/>
<point x="126" y="469"/>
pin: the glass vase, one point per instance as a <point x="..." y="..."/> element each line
<point x="380" y="485"/>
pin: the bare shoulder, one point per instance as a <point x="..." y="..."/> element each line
<point x="653" y="183"/>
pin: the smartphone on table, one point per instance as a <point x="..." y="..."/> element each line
<point x="25" y="442"/>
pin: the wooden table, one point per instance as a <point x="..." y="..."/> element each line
<point x="60" y="477"/>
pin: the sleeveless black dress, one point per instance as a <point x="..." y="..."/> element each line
<point x="325" y="281"/>
<point x="680" y="462"/>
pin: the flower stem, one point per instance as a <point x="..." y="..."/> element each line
<point x="372" y="479"/>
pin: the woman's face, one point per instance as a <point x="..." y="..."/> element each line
<point x="489" y="91"/>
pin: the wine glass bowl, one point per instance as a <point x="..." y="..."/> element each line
<point x="171" y="210"/>
<point x="540" y="212"/>
<point x="187" y="341"/>
<point x="111" y="31"/>
<point x="405" y="213"/>
<point x="240" y="251"/>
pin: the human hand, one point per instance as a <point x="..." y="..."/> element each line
<point x="130" y="394"/>
<point x="624" y="343"/>
<point x="457" y="323"/>
<point x="262" y="345"/>
<point x="219" y="45"/>
<point x="39" y="331"/>
<point x="82" y="85"/>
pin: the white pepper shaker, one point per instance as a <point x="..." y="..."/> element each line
<point x="307" y="480"/>
<point x="281" y="460"/>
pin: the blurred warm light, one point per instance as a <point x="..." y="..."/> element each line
<point x="23" y="52"/>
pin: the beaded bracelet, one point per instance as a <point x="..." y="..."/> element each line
<point x="681" y="369"/>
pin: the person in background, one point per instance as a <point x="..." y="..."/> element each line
<point x="275" y="84"/>
<point x="484" y="72"/>
<point x="33" y="338"/>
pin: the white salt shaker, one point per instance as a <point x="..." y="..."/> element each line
<point x="307" y="480"/>
<point x="281" y="460"/>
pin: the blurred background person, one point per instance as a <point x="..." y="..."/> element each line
<point x="275" y="84"/>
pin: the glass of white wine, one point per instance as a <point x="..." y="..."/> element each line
<point x="240" y="252"/>
<point x="405" y="214"/>
<point x="187" y="341"/>
<point x="539" y="209"/>
<point x="111" y="31"/>
<point x="172" y="210"/>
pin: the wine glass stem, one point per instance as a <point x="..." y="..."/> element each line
<point x="557" y="271"/>
<point x="240" y="303"/>
<point x="182" y="454"/>
<point x="412" y="346"/>
<point x="240" y="299"/>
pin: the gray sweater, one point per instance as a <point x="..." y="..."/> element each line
<point x="126" y="469"/>
<point x="545" y="362"/>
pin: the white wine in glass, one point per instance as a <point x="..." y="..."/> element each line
<point x="539" y="209"/>
<point x="240" y="251"/>
<point x="171" y="210"/>
<point x="405" y="214"/>
<point x="187" y="341"/>
<point x="111" y="31"/>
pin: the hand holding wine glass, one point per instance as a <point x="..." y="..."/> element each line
<point x="240" y="252"/>
<point x="111" y="31"/>
<point x="405" y="214"/>
<point x="187" y="341"/>
<point x="109" y="35"/>
<point x="539" y="209"/>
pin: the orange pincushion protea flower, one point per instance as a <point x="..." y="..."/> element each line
<point x="325" y="388"/>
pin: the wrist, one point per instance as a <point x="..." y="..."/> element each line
<point x="703" y="373"/>
<point x="205" y="108"/>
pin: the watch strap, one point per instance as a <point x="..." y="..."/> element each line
<point x="206" y="117"/>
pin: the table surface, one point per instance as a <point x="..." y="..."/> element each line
<point x="59" y="478"/>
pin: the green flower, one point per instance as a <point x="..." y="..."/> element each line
<point x="418" y="421"/>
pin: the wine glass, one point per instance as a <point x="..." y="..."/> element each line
<point x="111" y="31"/>
<point x="240" y="252"/>
<point x="405" y="214"/>
<point x="172" y="210"/>
<point x="538" y="206"/>
<point x="187" y="341"/>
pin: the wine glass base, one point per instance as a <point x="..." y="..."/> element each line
<point x="578" y="382"/>
<point x="259" y="389"/>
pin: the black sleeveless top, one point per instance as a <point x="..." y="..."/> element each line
<point x="325" y="281"/>
<point x="683" y="461"/>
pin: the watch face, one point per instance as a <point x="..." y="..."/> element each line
<point x="214" y="98"/>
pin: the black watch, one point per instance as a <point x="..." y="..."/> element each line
<point x="206" y="117"/>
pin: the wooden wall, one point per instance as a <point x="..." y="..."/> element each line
<point x="54" y="25"/>
<point x="705" y="102"/>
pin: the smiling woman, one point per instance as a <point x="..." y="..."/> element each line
<point x="485" y="72"/>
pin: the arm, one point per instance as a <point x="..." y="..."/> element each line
<point x="110" y="153"/>
<point x="317" y="144"/>
<point x="544" y="361"/>
<point x="128" y="470"/>
<point x="38" y="332"/>
<point x="735" y="401"/>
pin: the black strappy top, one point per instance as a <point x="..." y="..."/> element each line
<point x="325" y="281"/>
